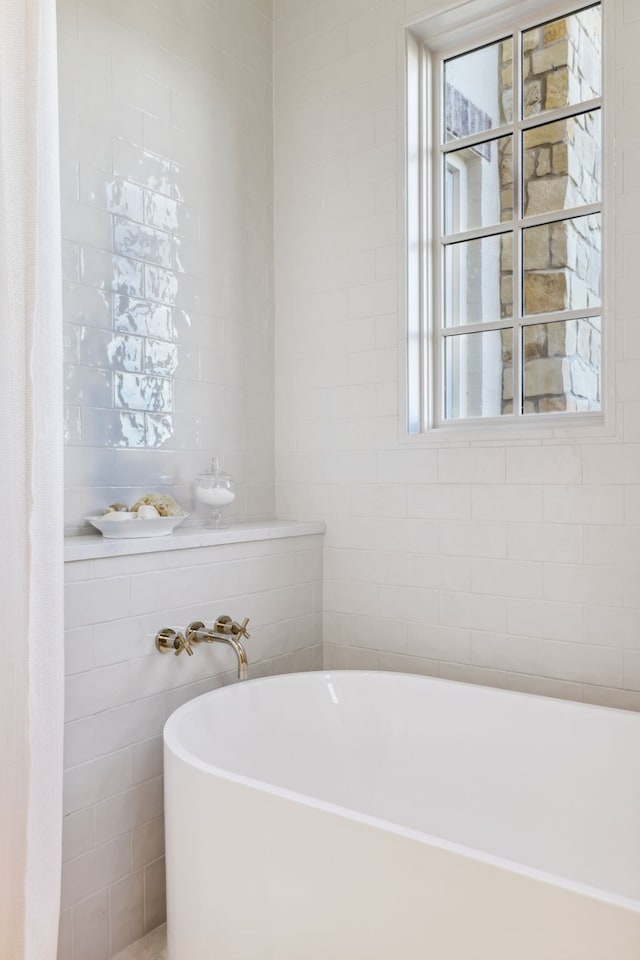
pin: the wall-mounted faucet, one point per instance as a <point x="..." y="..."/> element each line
<point x="224" y="630"/>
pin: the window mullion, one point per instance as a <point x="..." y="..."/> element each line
<point x="437" y="386"/>
<point x="517" y="262"/>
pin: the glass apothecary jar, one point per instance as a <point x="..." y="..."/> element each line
<point x="215" y="489"/>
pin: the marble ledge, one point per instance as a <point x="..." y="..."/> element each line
<point x="95" y="546"/>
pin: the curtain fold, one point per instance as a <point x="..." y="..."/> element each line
<point x="31" y="486"/>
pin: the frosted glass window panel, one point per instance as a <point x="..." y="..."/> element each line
<point x="562" y="364"/>
<point x="478" y="90"/>
<point x="562" y="164"/>
<point x="478" y="280"/>
<point x="562" y="265"/>
<point x="478" y="185"/>
<point x="562" y="62"/>
<point x="479" y="374"/>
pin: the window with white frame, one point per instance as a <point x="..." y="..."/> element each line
<point x="505" y="241"/>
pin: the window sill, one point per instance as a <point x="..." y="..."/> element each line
<point x="95" y="546"/>
<point x="561" y="429"/>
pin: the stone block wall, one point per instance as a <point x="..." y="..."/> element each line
<point x="562" y="260"/>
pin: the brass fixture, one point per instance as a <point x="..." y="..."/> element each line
<point x="168" y="639"/>
<point x="224" y="630"/>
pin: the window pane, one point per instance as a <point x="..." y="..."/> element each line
<point x="478" y="280"/>
<point x="478" y="92"/>
<point x="562" y="265"/>
<point x="478" y="185"/>
<point x="562" y="366"/>
<point x="562" y="164"/>
<point x="478" y="374"/>
<point x="562" y="62"/>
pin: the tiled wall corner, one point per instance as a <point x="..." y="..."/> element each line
<point x="511" y="564"/>
<point x="120" y="691"/>
<point x="166" y="160"/>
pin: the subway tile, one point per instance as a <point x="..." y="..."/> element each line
<point x="472" y="465"/>
<point x="120" y="814"/>
<point x="375" y="633"/>
<point x="519" y="503"/>
<point x="87" y="387"/>
<point x="147" y="842"/>
<point x="134" y="240"/>
<point x="90" y="922"/>
<point x="379" y="500"/>
<point x="408" y="466"/>
<point x="104" y="270"/>
<point x="507" y="578"/>
<point x="546" y="541"/>
<point x="147" y="759"/>
<point x="127" y="725"/>
<point x="376" y="566"/>
<point x="473" y="538"/>
<point x="500" y="651"/>
<point x="438" y="572"/>
<point x="611" y="463"/>
<point x="154" y="894"/>
<point x="353" y="598"/>
<point x="93" y="871"/>
<point x="78" y="833"/>
<point x="440" y="501"/>
<point x="127" y="910"/>
<point x="543" y="618"/>
<point x="583" y="583"/>
<point x="110" y="193"/>
<point x="101" y="348"/>
<point x="132" y="315"/>
<point x="393" y="535"/>
<point x="544" y="464"/>
<point x="473" y="611"/>
<point x="91" y="782"/>
<point x="101" y="32"/>
<point x="584" y="504"/>
<point x="349" y="658"/>
<point x="611" y="545"/>
<point x="149" y="676"/>
<point x="78" y="647"/>
<point x="583" y="663"/>
<point x="83" y="225"/>
<point x="78" y="741"/>
<point x="99" y="689"/>
<point x="435" y="642"/>
<point x="87" y="304"/>
<point x="418" y="604"/>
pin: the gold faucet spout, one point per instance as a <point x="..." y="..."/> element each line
<point x="200" y="633"/>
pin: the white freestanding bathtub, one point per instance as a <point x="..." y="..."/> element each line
<point x="376" y="816"/>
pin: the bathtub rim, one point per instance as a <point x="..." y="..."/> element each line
<point x="173" y="745"/>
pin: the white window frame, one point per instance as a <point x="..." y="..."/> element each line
<point x="425" y="43"/>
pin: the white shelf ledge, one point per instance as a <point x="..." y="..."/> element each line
<point x="94" y="546"/>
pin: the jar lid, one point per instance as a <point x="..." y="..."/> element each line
<point x="214" y="471"/>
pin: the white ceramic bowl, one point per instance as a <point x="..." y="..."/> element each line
<point x="126" y="529"/>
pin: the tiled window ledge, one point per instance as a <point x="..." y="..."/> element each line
<point x="91" y="547"/>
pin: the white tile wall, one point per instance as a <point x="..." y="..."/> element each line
<point x="120" y="691"/>
<point x="509" y="563"/>
<point x="167" y="186"/>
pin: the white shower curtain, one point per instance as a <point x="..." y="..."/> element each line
<point x="31" y="587"/>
